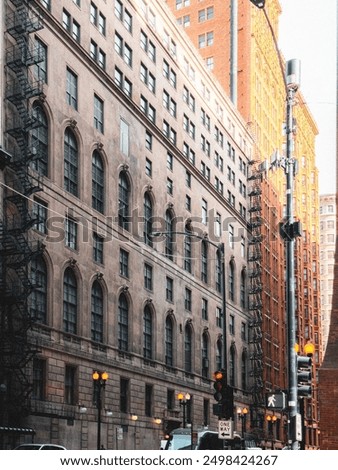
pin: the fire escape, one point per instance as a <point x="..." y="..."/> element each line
<point x="255" y="292"/>
<point x="18" y="247"/>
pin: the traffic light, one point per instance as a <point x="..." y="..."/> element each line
<point x="219" y="385"/>
<point x="224" y="395"/>
<point x="304" y="376"/>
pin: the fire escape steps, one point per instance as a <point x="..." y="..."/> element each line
<point x="17" y="246"/>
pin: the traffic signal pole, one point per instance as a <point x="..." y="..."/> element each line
<point x="292" y="71"/>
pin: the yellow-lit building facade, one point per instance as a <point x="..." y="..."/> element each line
<point x="259" y="93"/>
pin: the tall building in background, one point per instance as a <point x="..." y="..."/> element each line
<point x="239" y="46"/>
<point x="328" y="373"/>
<point x="328" y="211"/>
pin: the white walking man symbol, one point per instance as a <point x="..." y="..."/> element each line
<point x="272" y="401"/>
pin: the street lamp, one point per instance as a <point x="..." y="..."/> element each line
<point x="99" y="379"/>
<point x="183" y="400"/>
<point x="134" y="418"/>
<point x="271" y="419"/>
<point x="241" y="413"/>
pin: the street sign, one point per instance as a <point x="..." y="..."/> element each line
<point x="119" y="433"/>
<point x="225" y="429"/>
<point x="275" y="400"/>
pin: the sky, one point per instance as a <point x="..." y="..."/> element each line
<point x="308" y="31"/>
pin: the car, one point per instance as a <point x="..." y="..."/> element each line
<point x="39" y="447"/>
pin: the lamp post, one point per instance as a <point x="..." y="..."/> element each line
<point x="183" y="400"/>
<point x="134" y="418"/>
<point x="99" y="379"/>
<point x="241" y="413"/>
<point x="271" y="419"/>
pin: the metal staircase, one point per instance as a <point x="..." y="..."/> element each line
<point x="18" y="244"/>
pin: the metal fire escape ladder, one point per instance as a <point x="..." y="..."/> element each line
<point x="255" y="289"/>
<point x="18" y="247"/>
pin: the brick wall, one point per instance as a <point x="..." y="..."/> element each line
<point x="328" y="375"/>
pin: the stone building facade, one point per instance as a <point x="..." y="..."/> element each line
<point x="134" y="136"/>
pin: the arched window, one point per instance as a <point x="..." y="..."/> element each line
<point x="148" y="222"/>
<point x="40" y="140"/>
<point x="38" y="298"/>
<point x="97" y="313"/>
<point x="231" y="281"/>
<point x="188" y="348"/>
<point x="219" y="348"/>
<point x="232" y="366"/>
<point x="123" y="323"/>
<point x="244" y="371"/>
<point x="218" y="271"/>
<point x="97" y="182"/>
<point x="69" y="302"/>
<point x="124" y="195"/>
<point x="147" y="333"/>
<point x="169" y="241"/>
<point x="242" y="292"/>
<point x="204" y="261"/>
<point x="70" y="163"/>
<point x="205" y="355"/>
<point x="169" y="342"/>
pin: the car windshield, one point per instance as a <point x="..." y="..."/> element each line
<point x="179" y="441"/>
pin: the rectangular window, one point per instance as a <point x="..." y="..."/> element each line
<point x="70" y="383"/>
<point x="70" y="233"/>
<point x="102" y="24"/>
<point x="204" y="211"/>
<point x="170" y="161"/>
<point x="39" y="379"/>
<point x="124" y="137"/>
<point x="149" y="141"/>
<point x="148" y="402"/>
<point x="124" y="263"/>
<point x="124" y="395"/>
<point x="66" y="20"/>
<point x="231" y="324"/>
<point x="76" y="31"/>
<point x="40" y="69"/>
<point x="93" y="13"/>
<point x="98" y="114"/>
<point x="71" y="92"/>
<point x="148" y="276"/>
<point x="188" y="202"/>
<point x="149" y="167"/>
<point x="122" y="82"/>
<point x="205" y="309"/>
<point x="243" y="331"/>
<point x="40" y="213"/>
<point x="188" y="299"/>
<point x="170" y="186"/>
<point x="98" y="248"/>
<point x="169" y="291"/>
<point x="231" y="236"/>
<point x="219" y="322"/>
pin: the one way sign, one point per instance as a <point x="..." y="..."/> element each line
<point x="225" y="429"/>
